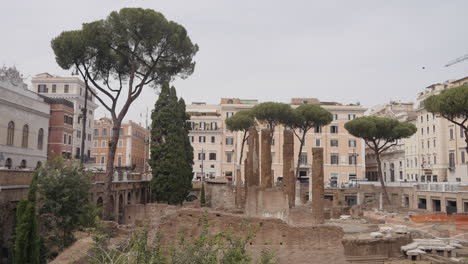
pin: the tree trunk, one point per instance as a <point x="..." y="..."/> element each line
<point x="107" y="214"/>
<point x="242" y="147"/>
<point x="465" y="130"/>
<point x="379" y="173"/>
<point x="85" y="114"/>
<point x="299" y="155"/>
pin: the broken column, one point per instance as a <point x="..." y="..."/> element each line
<point x="266" y="177"/>
<point x="317" y="185"/>
<point x="289" y="181"/>
<point x="238" y="188"/>
<point x="252" y="164"/>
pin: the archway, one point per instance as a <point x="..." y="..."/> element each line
<point x="129" y="198"/>
<point x="121" y="208"/>
<point x="112" y="202"/>
<point x="8" y="163"/>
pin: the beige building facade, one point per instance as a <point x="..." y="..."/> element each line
<point x="132" y="147"/>
<point x="217" y="150"/>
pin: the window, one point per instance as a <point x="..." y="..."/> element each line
<point x="213" y="139"/>
<point x="102" y="159"/>
<point x="351" y="116"/>
<point x="352" y="159"/>
<point x="201" y="156"/>
<point x="104" y="131"/>
<point x="96" y="132"/>
<point x="89" y="137"/>
<point x="451" y="133"/>
<point x="427" y="117"/>
<point x="428" y="144"/>
<point x="95" y="144"/>
<point x="42" y="88"/>
<point x="422" y="144"/>
<point x="334" y="159"/>
<point x="462" y="134"/>
<point x="334" y="142"/>
<point x="422" y="131"/>
<point x="352" y="176"/>
<point x="451" y="160"/>
<point x="66" y="88"/>
<point x="121" y="132"/>
<point x="230" y="101"/>
<point x="40" y="138"/>
<point x="317" y="142"/>
<point x="334" y="129"/>
<point x="462" y="156"/>
<point x="23" y="164"/>
<point x="273" y="141"/>
<point x="352" y="143"/>
<point x="24" y="142"/>
<point x="192" y="138"/>
<point x="202" y="125"/>
<point x="434" y="142"/>
<point x="427" y="130"/>
<point x="81" y="91"/>
<point x="214" y="126"/>
<point x="69" y="139"/>
<point x="64" y="138"/>
<point x="212" y="156"/>
<point x="202" y="139"/>
<point x="303" y="158"/>
<point x="78" y="133"/>
<point x="54" y="88"/>
<point x="228" y="156"/>
<point x="229" y="114"/>
<point x="433" y="128"/>
<point x="229" y="141"/>
<point x="422" y="119"/>
<point x="335" y="116"/>
<point x="318" y="129"/>
<point x="103" y="143"/>
<point x="11" y="133"/>
<point x="120" y="143"/>
<point x="68" y="120"/>
<point x="8" y="163"/>
<point x="435" y="159"/>
<point x="119" y="161"/>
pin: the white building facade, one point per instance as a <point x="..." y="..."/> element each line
<point x="73" y="90"/>
<point x="24" y="123"/>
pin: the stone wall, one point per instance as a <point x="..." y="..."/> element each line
<point x="267" y="202"/>
<point x="388" y="247"/>
<point x="220" y="196"/>
<point x="313" y="244"/>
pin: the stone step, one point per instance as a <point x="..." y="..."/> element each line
<point x="367" y="259"/>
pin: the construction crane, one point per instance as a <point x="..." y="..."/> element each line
<point x="457" y="60"/>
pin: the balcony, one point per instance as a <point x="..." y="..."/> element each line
<point x="438" y="187"/>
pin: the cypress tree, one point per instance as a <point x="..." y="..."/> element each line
<point x="171" y="151"/>
<point x="28" y="243"/>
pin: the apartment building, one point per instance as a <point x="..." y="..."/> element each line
<point x="132" y="147"/>
<point x="217" y="150"/>
<point x="60" y="128"/>
<point x="441" y="143"/>
<point x="73" y="90"/>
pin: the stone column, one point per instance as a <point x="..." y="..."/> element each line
<point x="289" y="179"/>
<point x="252" y="164"/>
<point x="238" y="188"/>
<point x="317" y="185"/>
<point x="266" y="177"/>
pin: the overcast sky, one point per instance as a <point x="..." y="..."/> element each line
<point x="348" y="51"/>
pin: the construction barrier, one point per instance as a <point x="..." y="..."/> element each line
<point x="461" y="219"/>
